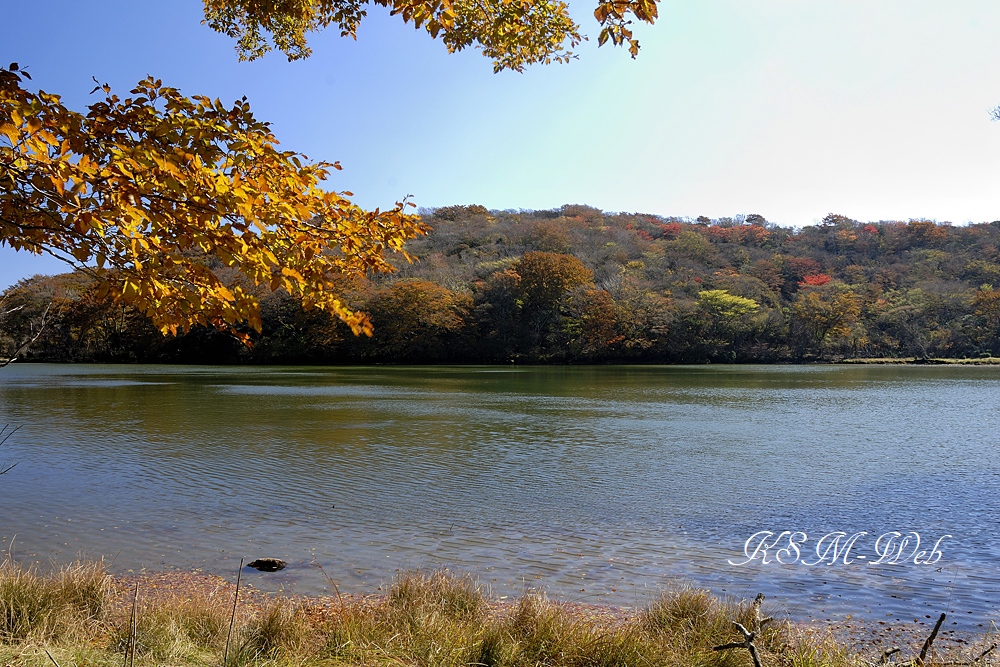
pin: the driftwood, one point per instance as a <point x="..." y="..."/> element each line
<point x="747" y="643"/>
<point x="758" y="621"/>
<point x="748" y="636"/>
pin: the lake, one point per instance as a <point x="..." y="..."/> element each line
<point x="597" y="484"/>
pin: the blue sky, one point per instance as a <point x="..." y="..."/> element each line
<point x="875" y="109"/>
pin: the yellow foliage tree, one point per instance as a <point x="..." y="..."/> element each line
<point x="730" y="319"/>
<point x="721" y="304"/>
<point x="513" y="33"/>
<point x="145" y="193"/>
<point x="826" y="314"/>
<point x="547" y="276"/>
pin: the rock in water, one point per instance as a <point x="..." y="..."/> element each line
<point x="267" y="564"/>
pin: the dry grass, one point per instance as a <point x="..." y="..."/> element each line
<point x="171" y="627"/>
<point x="37" y="608"/>
<point x="432" y="619"/>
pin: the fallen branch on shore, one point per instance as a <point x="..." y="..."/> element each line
<point x="749" y="636"/>
<point x="747" y="643"/>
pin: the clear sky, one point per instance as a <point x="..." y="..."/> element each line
<point x="875" y="109"/>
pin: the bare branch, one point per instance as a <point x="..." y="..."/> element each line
<point x="33" y="335"/>
<point x="12" y="310"/>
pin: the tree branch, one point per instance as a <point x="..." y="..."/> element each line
<point x="33" y="335"/>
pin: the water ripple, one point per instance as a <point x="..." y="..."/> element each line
<point x="596" y="483"/>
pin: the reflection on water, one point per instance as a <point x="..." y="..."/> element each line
<point x="596" y="483"/>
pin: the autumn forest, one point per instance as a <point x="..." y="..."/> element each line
<point x="577" y="285"/>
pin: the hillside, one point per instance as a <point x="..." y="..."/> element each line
<point x="576" y="285"/>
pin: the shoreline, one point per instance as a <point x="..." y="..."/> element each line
<point x="850" y="361"/>
<point x="80" y="614"/>
<point x="864" y="638"/>
<point x="917" y="361"/>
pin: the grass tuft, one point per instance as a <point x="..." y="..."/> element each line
<point x="172" y="627"/>
<point x="281" y="629"/>
<point x="690" y="612"/>
<point x="45" y="607"/>
<point x="457" y="597"/>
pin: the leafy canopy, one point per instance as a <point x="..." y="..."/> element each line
<point x="513" y="33"/>
<point x="726" y="305"/>
<point x="547" y="276"/>
<point x="147" y="192"/>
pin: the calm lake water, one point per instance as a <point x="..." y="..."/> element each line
<point x="602" y="484"/>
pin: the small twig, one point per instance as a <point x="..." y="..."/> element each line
<point x="4" y="435"/>
<point x="343" y="611"/>
<point x="886" y="653"/>
<point x="747" y="643"/>
<point x="930" y="640"/>
<point x="10" y="310"/>
<point x="132" y="629"/>
<point x="54" y="661"/>
<point x="984" y="654"/>
<point x="232" y="618"/>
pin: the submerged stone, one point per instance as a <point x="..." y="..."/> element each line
<point x="267" y="564"/>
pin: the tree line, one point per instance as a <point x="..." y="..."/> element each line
<point x="578" y="285"/>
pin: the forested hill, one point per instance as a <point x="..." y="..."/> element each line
<point x="578" y="285"/>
